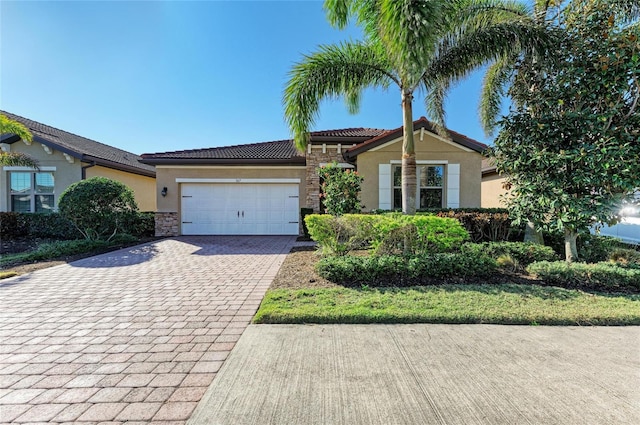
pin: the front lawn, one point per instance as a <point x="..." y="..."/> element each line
<point x="497" y="304"/>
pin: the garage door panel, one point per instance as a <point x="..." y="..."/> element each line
<point x="238" y="209"/>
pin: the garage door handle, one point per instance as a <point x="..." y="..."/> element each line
<point x="187" y="222"/>
<point x="242" y="214"/>
<point x="293" y="222"/>
<point x="187" y="196"/>
<point x="238" y="213"/>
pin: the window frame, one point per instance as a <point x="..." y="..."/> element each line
<point x="395" y="187"/>
<point x="32" y="192"/>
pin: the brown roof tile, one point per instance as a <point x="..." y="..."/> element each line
<point x="82" y="148"/>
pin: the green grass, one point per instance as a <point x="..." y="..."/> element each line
<point x="497" y="304"/>
<point x="49" y="251"/>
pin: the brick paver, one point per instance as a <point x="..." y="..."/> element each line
<point x="132" y="335"/>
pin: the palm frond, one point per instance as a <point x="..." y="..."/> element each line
<point x="18" y="159"/>
<point x="333" y="71"/>
<point x="494" y="88"/>
<point x="9" y="126"/>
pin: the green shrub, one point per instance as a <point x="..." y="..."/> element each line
<point x="98" y="207"/>
<point x="386" y="234"/>
<point x="340" y="189"/>
<point x="625" y="256"/>
<point x="404" y="234"/>
<point x="49" y="225"/>
<point x="396" y="270"/>
<point x="598" y="276"/>
<point x="591" y="248"/>
<point x="141" y="224"/>
<point x="10" y="226"/>
<point x="521" y="252"/>
<point x="483" y="224"/>
<point x="48" y="251"/>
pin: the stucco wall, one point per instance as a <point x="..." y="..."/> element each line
<point x="143" y="187"/>
<point x="166" y="177"/>
<point x="492" y="189"/>
<point x="431" y="149"/>
<point x="65" y="173"/>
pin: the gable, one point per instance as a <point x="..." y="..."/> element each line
<point x="424" y="142"/>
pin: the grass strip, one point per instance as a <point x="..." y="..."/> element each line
<point x="514" y="304"/>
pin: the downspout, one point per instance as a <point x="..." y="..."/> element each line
<point x="84" y="169"/>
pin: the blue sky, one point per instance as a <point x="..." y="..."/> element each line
<point x="155" y="76"/>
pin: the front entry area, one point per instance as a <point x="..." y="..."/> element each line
<point x="240" y="208"/>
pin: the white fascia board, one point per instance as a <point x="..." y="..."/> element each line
<point x="16" y="168"/>
<point x="417" y="134"/>
<point x="239" y="180"/>
<point x="423" y="162"/>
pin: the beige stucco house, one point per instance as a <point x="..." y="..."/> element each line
<point x="494" y="186"/>
<point x="66" y="158"/>
<point x="259" y="188"/>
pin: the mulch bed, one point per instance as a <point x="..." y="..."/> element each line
<point x="297" y="271"/>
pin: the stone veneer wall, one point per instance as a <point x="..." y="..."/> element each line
<point x="167" y="224"/>
<point x="314" y="158"/>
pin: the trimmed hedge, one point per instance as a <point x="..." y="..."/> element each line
<point x="403" y="271"/>
<point x="523" y="253"/>
<point x="598" y="276"/>
<point x="54" y="226"/>
<point x="385" y="234"/>
<point x="483" y="224"/>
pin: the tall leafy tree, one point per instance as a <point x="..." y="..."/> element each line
<point x="570" y="146"/>
<point x="9" y="126"/>
<point x="416" y="45"/>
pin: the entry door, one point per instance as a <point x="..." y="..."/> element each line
<point x="239" y="209"/>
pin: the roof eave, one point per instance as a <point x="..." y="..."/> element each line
<point x="219" y="161"/>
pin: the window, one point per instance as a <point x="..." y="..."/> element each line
<point x="31" y="191"/>
<point x="429" y="188"/>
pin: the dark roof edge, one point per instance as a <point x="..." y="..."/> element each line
<point x="117" y="166"/>
<point x="341" y="139"/>
<point x="219" y="161"/>
<point x="419" y="124"/>
<point x="489" y="171"/>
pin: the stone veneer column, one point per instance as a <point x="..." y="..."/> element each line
<point x="167" y="224"/>
<point x="319" y="154"/>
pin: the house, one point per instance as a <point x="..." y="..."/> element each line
<point x="66" y="158"/>
<point x="494" y="186"/>
<point x="259" y="188"/>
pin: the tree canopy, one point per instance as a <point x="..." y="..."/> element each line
<point x="9" y="126"/>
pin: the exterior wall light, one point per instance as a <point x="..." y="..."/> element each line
<point x="163" y="192"/>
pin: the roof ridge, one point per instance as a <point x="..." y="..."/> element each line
<point x="241" y="145"/>
<point x="67" y="132"/>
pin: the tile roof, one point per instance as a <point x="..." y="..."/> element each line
<point x="348" y="132"/>
<point x="86" y="150"/>
<point x="422" y="122"/>
<point x="280" y="151"/>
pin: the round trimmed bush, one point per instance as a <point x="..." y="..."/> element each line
<point x="98" y="207"/>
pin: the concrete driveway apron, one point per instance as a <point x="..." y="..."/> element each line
<point x="133" y="335"/>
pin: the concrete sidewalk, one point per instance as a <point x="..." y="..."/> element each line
<point x="427" y="374"/>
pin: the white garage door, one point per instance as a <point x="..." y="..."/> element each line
<point x="240" y="209"/>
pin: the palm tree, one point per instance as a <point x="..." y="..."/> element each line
<point x="414" y="45"/>
<point x="8" y="126"/>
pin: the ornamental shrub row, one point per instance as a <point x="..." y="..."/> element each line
<point x="483" y="224"/>
<point x="596" y="276"/>
<point x="54" y="226"/>
<point x="397" y="270"/>
<point x="385" y="234"/>
<point x="523" y="253"/>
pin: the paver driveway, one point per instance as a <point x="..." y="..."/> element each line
<point x="132" y="335"/>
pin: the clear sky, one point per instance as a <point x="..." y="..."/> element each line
<point x="155" y="76"/>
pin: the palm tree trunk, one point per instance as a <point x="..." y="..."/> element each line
<point x="408" y="156"/>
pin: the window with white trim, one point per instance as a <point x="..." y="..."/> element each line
<point x="31" y="191"/>
<point x="429" y="190"/>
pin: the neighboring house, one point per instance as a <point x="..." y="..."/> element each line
<point x="494" y="186"/>
<point x="259" y="188"/>
<point x="66" y="158"/>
